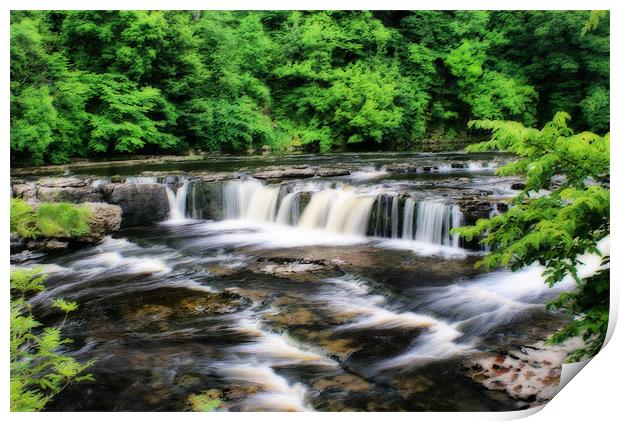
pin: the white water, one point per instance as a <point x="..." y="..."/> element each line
<point x="277" y="394"/>
<point x="342" y="209"/>
<point x="177" y="202"/>
<point x="477" y="306"/>
<point x="408" y="219"/>
<point x="368" y="173"/>
<point x="289" y="209"/>
<point x="395" y="217"/>
<point x="434" y="221"/>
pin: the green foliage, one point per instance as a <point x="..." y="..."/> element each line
<point x="125" y="118"/>
<point x="87" y="83"/>
<point x="594" y="21"/>
<point x="38" y="370"/>
<point x="62" y="220"/>
<point x="23" y="221"/>
<point x="49" y="219"/>
<point x="560" y="215"/>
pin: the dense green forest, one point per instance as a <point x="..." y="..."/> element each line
<point x="104" y="83"/>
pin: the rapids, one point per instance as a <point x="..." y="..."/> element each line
<point x="324" y="293"/>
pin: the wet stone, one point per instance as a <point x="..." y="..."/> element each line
<point x="159" y="309"/>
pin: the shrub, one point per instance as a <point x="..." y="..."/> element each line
<point x="49" y="220"/>
<point x="23" y="220"/>
<point x="62" y="220"/>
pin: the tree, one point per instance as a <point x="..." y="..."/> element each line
<point x="86" y="83"/>
<point x="560" y="215"/>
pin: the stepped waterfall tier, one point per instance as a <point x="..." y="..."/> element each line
<point x="311" y="283"/>
<point x="334" y="207"/>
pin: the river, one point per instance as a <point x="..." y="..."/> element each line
<point x="324" y="293"/>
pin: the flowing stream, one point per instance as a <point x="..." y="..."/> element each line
<point x="324" y="293"/>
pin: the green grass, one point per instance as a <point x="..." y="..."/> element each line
<point x="49" y="219"/>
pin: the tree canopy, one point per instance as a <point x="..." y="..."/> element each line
<point x="93" y="83"/>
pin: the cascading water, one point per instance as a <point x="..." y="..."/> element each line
<point x="343" y="209"/>
<point x="262" y="205"/>
<point x="289" y="209"/>
<point x="395" y="217"/>
<point x="237" y="197"/>
<point x="177" y="201"/>
<point x="408" y="215"/>
<point x="434" y="221"/>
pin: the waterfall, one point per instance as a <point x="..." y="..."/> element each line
<point x="457" y="221"/>
<point x="262" y="206"/>
<point x="434" y="221"/>
<point x="408" y="219"/>
<point x="395" y="217"/>
<point x="177" y="201"/>
<point x="350" y="215"/>
<point x="343" y="209"/>
<point x="237" y="197"/>
<point x="288" y="213"/>
<point x="315" y="214"/>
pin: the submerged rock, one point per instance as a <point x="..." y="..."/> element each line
<point x="142" y="204"/>
<point x="295" y="269"/>
<point x="402" y="168"/>
<point x="160" y="309"/>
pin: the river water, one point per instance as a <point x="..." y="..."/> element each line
<point x="327" y="293"/>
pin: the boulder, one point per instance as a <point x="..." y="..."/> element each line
<point x="104" y="219"/>
<point x="62" y="182"/>
<point x="530" y="373"/>
<point x="207" y="176"/>
<point x="285" y="173"/>
<point x="401" y="167"/>
<point x="205" y="200"/>
<point x="26" y="191"/>
<point x="142" y="203"/>
<point x="333" y="172"/>
<point x="475" y="209"/>
<point x="518" y="186"/>
<point x="298" y="172"/>
<point x="48" y="245"/>
<point x="69" y="194"/>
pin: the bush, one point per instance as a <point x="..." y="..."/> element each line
<point x="62" y="220"/>
<point x="49" y="220"/>
<point x="38" y="371"/>
<point x="23" y="220"/>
